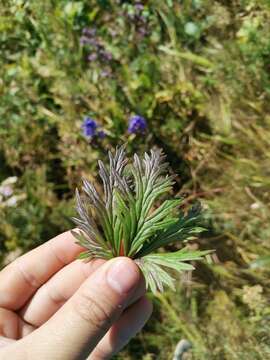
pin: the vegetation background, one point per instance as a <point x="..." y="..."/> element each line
<point x="198" y="71"/>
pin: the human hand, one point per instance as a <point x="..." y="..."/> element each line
<point x="55" y="307"/>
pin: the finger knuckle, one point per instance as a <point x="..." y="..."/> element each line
<point x="93" y="311"/>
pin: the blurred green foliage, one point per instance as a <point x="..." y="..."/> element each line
<point x="198" y="71"/>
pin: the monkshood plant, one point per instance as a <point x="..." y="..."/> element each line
<point x="126" y="221"/>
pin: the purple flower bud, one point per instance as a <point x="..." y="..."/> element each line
<point x="109" y="56"/>
<point x="94" y="42"/>
<point x="139" y="7"/>
<point x="106" y="55"/>
<point x="89" y="127"/>
<point x="89" y="31"/>
<point x="101" y="134"/>
<point x="105" y="73"/>
<point x="84" y="40"/>
<point x="143" y="31"/>
<point x="137" y="124"/>
<point x="92" y="57"/>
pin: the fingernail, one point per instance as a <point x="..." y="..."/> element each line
<point x="123" y="275"/>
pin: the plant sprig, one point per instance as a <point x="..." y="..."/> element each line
<point x="125" y="220"/>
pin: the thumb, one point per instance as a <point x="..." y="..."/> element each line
<point x="80" y="324"/>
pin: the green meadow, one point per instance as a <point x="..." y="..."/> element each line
<point x="198" y="71"/>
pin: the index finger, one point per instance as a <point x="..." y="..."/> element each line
<point x="20" y="279"/>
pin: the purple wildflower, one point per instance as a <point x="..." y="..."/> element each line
<point x="105" y="73"/>
<point x="138" y="16"/>
<point x="143" y="31"/>
<point x="89" y="127"/>
<point x="101" y="134"/>
<point x="89" y="31"/>
<point x="84" y="40"/>
<point x="139" y="7"/>
<point x="106" y="55"/>
<point x="137" y="124"/>
<point x="92" y="57"/>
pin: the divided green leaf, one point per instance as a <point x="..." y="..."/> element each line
<point x="126" y="220"/>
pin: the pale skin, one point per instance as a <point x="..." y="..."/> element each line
<point x="53" y="306"/>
